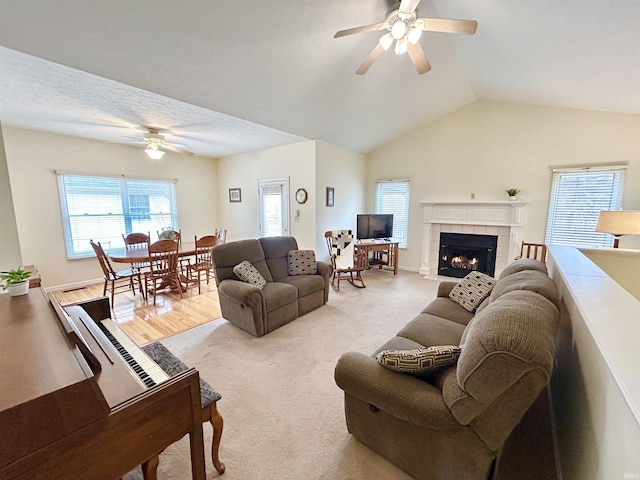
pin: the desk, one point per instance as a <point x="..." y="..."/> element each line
<point x="380" y="253"/>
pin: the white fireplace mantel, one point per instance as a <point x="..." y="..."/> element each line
<point x="503" y="219"/>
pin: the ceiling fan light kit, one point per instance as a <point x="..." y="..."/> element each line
<point x="156" y="145"/>
<point x="154" y="152"/>
<point x="404" y="26"/>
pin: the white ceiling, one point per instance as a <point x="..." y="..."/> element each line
<point x="237" y="76"/>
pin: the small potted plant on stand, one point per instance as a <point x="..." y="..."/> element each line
<point x="16" y="282"/>
<point x="512" y="192"/>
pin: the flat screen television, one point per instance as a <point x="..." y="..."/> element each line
<point x="374" y="225"/>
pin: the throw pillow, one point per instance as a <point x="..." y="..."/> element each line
<point x="472" y="290"/>
<point x="421" y="360"/>
<point x="302" y="262"/>
<point x="248" y="273"/>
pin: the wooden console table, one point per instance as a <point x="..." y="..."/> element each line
<point x="380" y="253"/>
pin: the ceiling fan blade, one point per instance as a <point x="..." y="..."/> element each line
<point x="408" y="6"/>
<point x="467" y="27"/>
<point x="173" y="148"/>
<point x="364" y="28"/>
<point x="375" y="53"/>
<point x="416" y="54"/>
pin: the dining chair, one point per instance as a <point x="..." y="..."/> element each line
<point x="116" y="282"/>
<point x="163" y="267"/>
<point x="221" y="235"/>
<point x="203" y="261"/>
<point x="347" y="263"/>
<point x="137" y="241"/>
<point x="537" y="251"/>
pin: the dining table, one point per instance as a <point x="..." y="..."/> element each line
<point x="140" y="255"/>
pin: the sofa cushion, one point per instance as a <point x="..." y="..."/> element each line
<point x="523" y="264"/>
<point x="428" y="330"/>
<point x="306" y="284"/>
<point x="278" y="294"/>
<point x="531" y="280"/>
<point x="444" y="307"/>
<point x="248" y="273"/>
<point x="302" y="262"/>
<point x="472" y="290"/>
<point x="419" y="361"/>
<point x="275" y="253"/>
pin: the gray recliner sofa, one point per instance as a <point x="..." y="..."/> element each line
<point x="454" y="423"/>
<point x="284" y="298"/>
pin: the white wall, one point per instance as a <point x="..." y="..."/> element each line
<point x="622" y="265"/>
<point x="486" y="147"/>
<point x="295" y="161"/>
<point x="595" y="385"/>
<point x="10" y="256"/>
<point x="345" y="172"/>
<point x="32" y="155"/>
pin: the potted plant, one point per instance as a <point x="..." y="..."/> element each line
<point x="167" y="233"/>
<point x="512" y="192"/>
<point x="16" y="282"/>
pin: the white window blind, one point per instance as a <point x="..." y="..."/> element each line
<point x="274" y="211"/>
<point x="392" y="196"/>
<point x="577" y="197"/>
<point x="104" y="208"/>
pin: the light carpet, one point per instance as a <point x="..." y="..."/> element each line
<point x="283" y="413"/>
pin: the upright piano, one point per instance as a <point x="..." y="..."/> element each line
<point x="78" y="399"/>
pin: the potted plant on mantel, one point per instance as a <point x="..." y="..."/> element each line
<point x="16" y="282"/>
<point x="512" y="192"/>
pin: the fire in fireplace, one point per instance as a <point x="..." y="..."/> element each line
<point x="461" y="253"/>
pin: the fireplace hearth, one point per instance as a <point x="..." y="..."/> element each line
<point x="461" y="253"/>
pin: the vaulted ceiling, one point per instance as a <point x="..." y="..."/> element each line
<point x="236" y="76"/>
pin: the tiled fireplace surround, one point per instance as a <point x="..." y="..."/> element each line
<point x="503" y="219"/>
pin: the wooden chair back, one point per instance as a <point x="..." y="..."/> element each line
<point x="107" y="269"/>
<point x="163" y="257"/>
<point x="136" y="240"/>
<point x="203" y="249"/>
<point x="537" y="251"/>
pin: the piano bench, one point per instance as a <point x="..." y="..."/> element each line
<point x="172" y="365"/>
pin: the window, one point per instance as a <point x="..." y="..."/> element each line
<point x="104" y="208"/>
<point x="392" y="196"/>
<point x="577" y="197"/>
<point x="274" y="207"/>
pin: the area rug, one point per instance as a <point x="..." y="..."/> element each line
<point x="283" y="413"/>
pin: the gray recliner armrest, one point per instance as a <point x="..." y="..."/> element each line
<point x="243" y="292"/>
<point x="403" y="396"/>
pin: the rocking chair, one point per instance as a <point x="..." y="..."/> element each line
<point x="347" y="263"/>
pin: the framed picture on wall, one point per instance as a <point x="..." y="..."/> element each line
<point x="330" y="194"/>
<point x="235" y="195"/>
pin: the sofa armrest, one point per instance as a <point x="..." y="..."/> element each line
<point x="403" y="396"/>
<point x="445" y="287"/>
<point x="243" y="292"/>
<point x="324" y="268"/>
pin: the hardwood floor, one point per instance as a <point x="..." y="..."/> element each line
<point x="146" y="323"/>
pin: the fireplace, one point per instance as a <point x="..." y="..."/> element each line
<point x="461" y="253"/>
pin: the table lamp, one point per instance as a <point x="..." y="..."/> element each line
<point x="618" y="223"/>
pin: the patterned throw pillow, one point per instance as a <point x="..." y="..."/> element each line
<point x="472" y="290"/>
<point x="302" y="262"/>
<point x="248" y="273"/>
<point x="420" y="360"/>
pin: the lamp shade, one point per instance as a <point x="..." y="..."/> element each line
<point x="619" y="222"/>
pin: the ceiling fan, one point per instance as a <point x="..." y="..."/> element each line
<point x="404" y="26"/>
<point x="156" y="144"/>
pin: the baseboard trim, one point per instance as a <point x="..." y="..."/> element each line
<point x="73" y="286"/>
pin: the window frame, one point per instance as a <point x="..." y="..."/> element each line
<point x="572" y="199"/>
<point x="80" y="199"/>
<point x="400" y="216"/>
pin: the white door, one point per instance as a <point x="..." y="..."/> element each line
<point x="274" y="207"/>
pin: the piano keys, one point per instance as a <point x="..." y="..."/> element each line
<point x="62" y="416"/>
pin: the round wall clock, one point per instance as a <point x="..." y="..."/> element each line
<point x="301" y="195"/>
